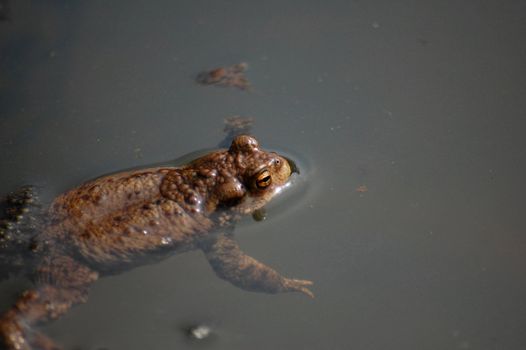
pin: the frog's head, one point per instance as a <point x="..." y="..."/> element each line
<point x="238" y="180"/>
<point x="262" y="174"/>
<point x="245" y="177"/>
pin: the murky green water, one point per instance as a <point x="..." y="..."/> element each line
<point x="421" y="102"/>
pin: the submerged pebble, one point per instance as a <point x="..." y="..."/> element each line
<point x="199" y="332"/>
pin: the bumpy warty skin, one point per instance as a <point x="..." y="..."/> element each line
<point x="127" y="219"/>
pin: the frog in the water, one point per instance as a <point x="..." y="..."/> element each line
<point x="127" y="219"/>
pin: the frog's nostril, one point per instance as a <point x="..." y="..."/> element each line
<point x="293" y="167"/>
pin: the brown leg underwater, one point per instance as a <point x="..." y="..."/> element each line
<point x="243" y="271"/>
<point x="62" y="283"/>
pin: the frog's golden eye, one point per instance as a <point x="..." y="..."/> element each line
<point x="263" y="179"/>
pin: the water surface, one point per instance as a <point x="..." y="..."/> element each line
<point x="420" y="101"/>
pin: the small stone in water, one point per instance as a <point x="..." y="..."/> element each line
<point x="199" y="332"/>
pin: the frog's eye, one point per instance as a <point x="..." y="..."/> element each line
<point x="263" y="179"/>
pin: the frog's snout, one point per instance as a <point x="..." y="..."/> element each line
<point x="293" y="167"/>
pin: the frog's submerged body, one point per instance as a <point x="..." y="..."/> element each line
<point x="126" y="219"/>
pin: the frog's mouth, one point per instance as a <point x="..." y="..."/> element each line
<point x="293" y="167"/>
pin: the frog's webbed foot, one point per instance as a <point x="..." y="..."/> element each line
<point x="62" y="282"/>
<point x="295" y="285"/>
<point x="243" y="271"/>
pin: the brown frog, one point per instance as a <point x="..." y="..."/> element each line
<point x="127" y="219"/>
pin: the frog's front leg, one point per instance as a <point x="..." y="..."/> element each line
<point x="231" y="264"/>
<point x="61" y="283"/>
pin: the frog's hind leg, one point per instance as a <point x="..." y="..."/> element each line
<point x="231" y="264"/>
<point x="20" y="214"/>
<point x="61" y="283"/>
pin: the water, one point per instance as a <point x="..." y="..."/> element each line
<point x="422" y="102"/>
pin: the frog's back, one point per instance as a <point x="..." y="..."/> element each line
<point x="117" y="218"/>
<point x="108" y="194"/>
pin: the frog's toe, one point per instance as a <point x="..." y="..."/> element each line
<point x="296" y="285"/>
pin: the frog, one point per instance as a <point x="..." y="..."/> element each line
<point x="127" y="219"/>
